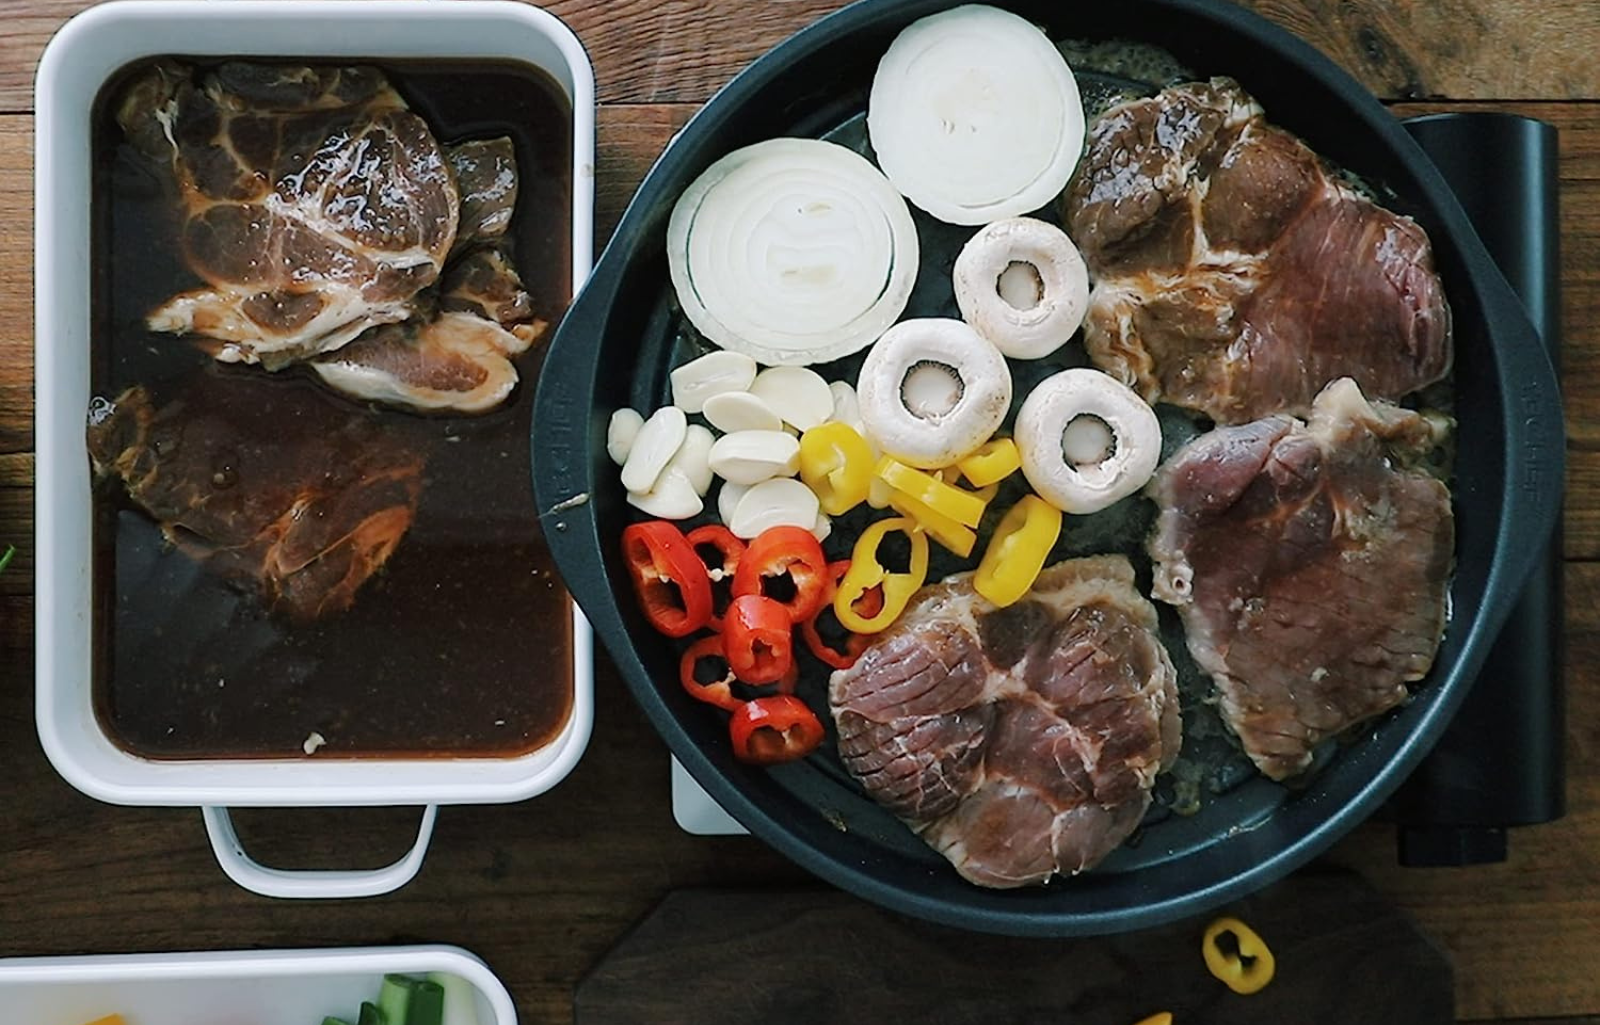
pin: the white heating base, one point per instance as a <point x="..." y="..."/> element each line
<point x="694" y="809"/>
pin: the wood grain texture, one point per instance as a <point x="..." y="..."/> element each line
<point x="1324" y="929"/>
<point x="1525" y="934"/>
<point x="663" y="51"/>
<point x="16" y="284"/>
<point x="543" y="889"/>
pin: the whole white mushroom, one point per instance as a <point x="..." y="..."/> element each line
<point x="931" y="391"/>
<point x="1023" y="285"/>
<point x="1086" y="440"/>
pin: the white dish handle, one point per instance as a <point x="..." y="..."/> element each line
<point x="311" y="884"/>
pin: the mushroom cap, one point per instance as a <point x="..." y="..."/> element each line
<point x="1037" y="330"/>
<point x="1042" y="423"/>
<point x="933" y="439"/>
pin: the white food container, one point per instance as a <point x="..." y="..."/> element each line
<point x="262" y="987"/>
<point x="83" y="55"/>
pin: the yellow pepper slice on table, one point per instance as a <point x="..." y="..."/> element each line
<point x="994" y="461"/>
<point x="1245" y="970"/>
<point x="836" y="464"/>
<point x="1017" y="552"/>
<point x="965" y="507"/>
<point x="867" y="573"/>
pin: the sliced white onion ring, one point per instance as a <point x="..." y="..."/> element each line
<point x="1036" y="319"/>
<point x="975" y="115"/>
<point x="792" y="251"/>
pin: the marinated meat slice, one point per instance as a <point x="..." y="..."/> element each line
<point x="314" y="205"/>
<point x="1309" y="563"/>
<point x="1233" y="274"/>
<point x="1019" y="742"/>
<point x="275" y="487"/>
<point x="453" y="361"/>
<point x="484" y="282"/>
<point x="486" y="174"/>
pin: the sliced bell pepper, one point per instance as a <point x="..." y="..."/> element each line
<point x="717" y="691"/>
<point x="951" y="474"/>
<point x="720" y="552"/>
<point x="1245" y="969"/>
<point x="948" y="500"/>
<point x="774" y="729"/>
<point x="866" y="574"/>
<point x="758" y="639"/>
<point x="669" y="579"/>
<point x="941" y="528"/>
<point x="995" y="460"/>
<point x="784" y="553"/>
<point x="1017" y="552"/>
<point x="854" y="643"/>
<point x="836" y="463"/>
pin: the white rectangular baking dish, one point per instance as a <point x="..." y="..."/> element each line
<point x="82" y="56"/>
<point x="262" y="987"/>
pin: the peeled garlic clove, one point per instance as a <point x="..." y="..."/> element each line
<point x="846" y="406"/>
<point x="715" y="373"/>
<point x="781" y="502"/>
<point x="673" y="497"/>
<point x="823" y="527"/>
<point x="740" y="411"/>
<point x="728" y="499"/>
<point x="798" y="395"/>
<point x="750" y="457"/>
<point x="620" y="434"/>
<point x="694" y="458"/>
<point x="653" y="448"/>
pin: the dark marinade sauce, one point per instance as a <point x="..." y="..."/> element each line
<point x="460" y="645"/>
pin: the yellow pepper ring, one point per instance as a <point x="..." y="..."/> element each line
<point x="1245" y="970"/>
<point x="1159" y="1018"/>
<point x="964" y="507"/>
<point x="866" y="572"/>
<point x="941" y="528"/>
<point x="994" y="461"/>
<point x="836" y="464"/>
<point x="1018" y="550"/>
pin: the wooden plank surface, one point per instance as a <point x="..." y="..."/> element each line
<point x="664" y="51"/>
<point x="1324" y="929"/>
<point x="543" y="889"/>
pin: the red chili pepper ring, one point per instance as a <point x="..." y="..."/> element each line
<point x="668" y="577"/>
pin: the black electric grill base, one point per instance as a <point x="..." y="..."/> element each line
<point x="1502" y="761"/>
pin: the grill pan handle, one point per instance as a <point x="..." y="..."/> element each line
<point x="1535" y="444"/>
<point x="565" y="447"/>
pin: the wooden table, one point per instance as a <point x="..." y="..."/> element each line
<point x="542" y="889"/>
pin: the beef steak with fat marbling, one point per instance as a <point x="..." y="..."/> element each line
<point x="1309" y="563"/>
<point x="1019" y="742"/>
